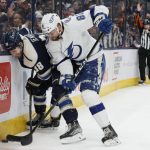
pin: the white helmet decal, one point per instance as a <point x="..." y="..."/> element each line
<point x="51" y="19"/>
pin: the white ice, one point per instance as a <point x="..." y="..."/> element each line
<point x="129" y="112"/>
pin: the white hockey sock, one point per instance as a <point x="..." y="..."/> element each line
<point x="55" y="112"/>
<point x="92" y="100"/>
<point x="102" y="118"/>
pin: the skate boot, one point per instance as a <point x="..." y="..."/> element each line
<point x="110" y="136"/>
<point x="73" y="134"/>
<point x="52" y="123"/>
<point x="35" y="120"/>
<point x="141" y="82"/>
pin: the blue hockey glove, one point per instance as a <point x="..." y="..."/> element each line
<point x="68" y="83"/>
<point x="105" y="26"/>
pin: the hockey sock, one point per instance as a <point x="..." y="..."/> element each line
<point x="70" y="115"/>
<point x="100" y="115"/>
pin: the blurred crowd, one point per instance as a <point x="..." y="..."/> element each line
<point x="127" y="21"/>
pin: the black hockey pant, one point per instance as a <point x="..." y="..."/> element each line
<point x="144" y="59"/>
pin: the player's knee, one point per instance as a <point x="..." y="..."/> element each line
<point x="58" y="92"/>
<point x="90" y="97"/>
<point x="65" y="103"/>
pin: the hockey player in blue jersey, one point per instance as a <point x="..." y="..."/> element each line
<point x="32" y="53"/>
<point x="69" y="41"/>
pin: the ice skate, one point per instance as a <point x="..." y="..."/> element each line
<point x="141" y="82"/>
<point x="35" y="120"/>
<point x="110" y="136"/>
<point x="73" y="134"/>
<point x="52" y="123"/>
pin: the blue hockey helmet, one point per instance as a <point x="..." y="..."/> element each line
<point x="11" y="40"/>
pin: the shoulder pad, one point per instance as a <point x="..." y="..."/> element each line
<point x="42" y="37"/>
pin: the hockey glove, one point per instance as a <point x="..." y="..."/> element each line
<point x="105" y="26"/>
<point x="33" y="85"/>
<point x="68" y="83"/>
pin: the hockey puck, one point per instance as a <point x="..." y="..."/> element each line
<point x="4" y="141"/>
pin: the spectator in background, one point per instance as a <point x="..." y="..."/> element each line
<point x="17" y="20"/>
<point x="19" y="5"/>
<point x="22" y="22"/>
<point x="121" y="21"/>
<point x="26" y="28"/>
<point x="88" y="3"/>
<point x="69" y="12"/>
<point x="3" y="5"/>
<point x="49" y="6"/>
<point x="148" y="15"/>
<point x="25" y="6"/>
<point x="77" y="7"/>
<point x="115" y="38"/>
<point x="138" y="20"/>
<point x="107" y="40"/>
<point x="3" y="19"/>
<point x="38" y="22"/>
<point x="3" y="16"/>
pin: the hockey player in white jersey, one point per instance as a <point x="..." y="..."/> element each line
<point x="69" y="43"/>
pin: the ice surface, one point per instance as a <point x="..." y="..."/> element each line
<point x="129" y="112"/>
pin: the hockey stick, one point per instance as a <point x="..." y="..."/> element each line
<point x="33" y="3"/>
<point x="30" y="104"/>
<point x="89" y="54"/>
<point x="27" y="139"/>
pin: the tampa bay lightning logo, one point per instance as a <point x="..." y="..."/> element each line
<point x="51" y="19"/>
<point x="73" y="50"/>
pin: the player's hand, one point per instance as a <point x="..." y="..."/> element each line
<point x="105" y="26"/>
<point x="68" y="83"/>
<point x="32" y="86"/>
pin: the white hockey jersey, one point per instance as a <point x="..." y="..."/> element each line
<point x="76" y="42"/>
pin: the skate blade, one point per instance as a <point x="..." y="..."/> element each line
<point x="74" y="139"/>
<point x="112" y="142"/>
<point x="43" y="128"/>
<point x="143" y="84"/>
<point x="50" y="128"/>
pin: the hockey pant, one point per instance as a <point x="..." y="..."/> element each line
<point x="144" y="59"/>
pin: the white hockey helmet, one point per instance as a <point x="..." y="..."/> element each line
<point x="49" y="22"/>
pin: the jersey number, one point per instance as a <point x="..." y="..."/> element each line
<point x="38" y="67"/>
<point x="80" y="16"/>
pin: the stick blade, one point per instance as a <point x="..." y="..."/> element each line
<point x="13" y="138"/>
<point x="26" y="140"/>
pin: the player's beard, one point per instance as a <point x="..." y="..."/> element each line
<point x="56" y="38"/>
